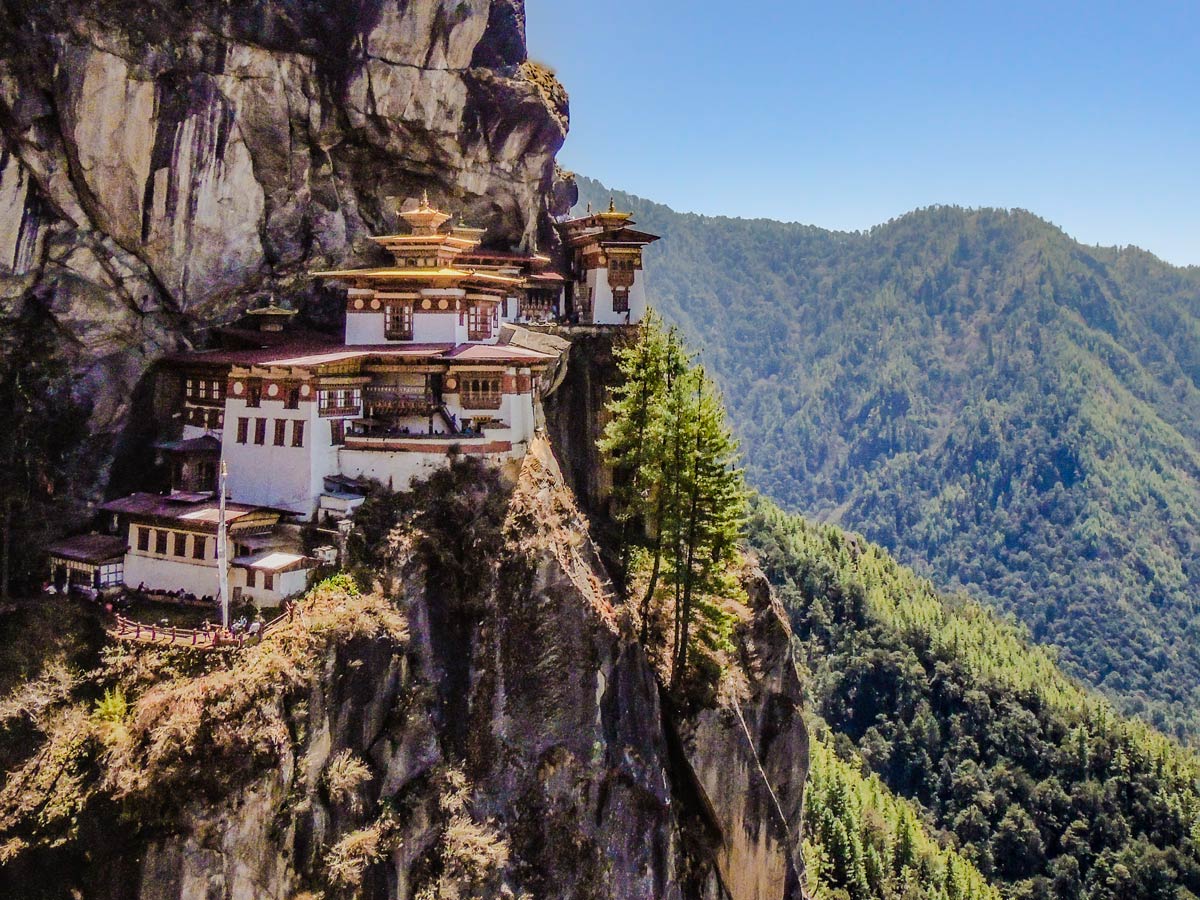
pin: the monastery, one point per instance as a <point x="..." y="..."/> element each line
<point x="435" y="361"/>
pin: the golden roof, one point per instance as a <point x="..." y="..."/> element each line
<point x="418" y="274"/>
<point x="425" y="219"/>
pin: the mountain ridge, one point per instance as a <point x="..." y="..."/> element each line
<point x="1011" y="412"/>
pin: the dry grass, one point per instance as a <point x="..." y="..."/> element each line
<point x="34" y="698"/>
<point x="238" y="713"/>
<point x="347" y="860"/>
<point x="344" y="775"/>
<point x="471" y="853"/>
<point x="173" y="723"/>
<point x="46" y="794"/>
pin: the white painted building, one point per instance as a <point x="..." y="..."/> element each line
<point x="607" y="284"/>
<point x="171" y="547"/>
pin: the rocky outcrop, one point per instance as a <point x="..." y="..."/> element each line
<point x="492" y="727"/>
<point x="166" y="163"/>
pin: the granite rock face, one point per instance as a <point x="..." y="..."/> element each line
<point x="522" y="679"/>
<point x="164" y="164"/>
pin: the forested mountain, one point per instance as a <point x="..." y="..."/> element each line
<point x="1010" y="411"/>
<point x="1041" y="785"/>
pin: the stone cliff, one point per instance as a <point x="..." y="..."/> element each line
<point x="166" y="163"/>
<point x="483" y="727"/>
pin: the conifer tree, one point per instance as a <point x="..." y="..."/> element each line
<point x="675" y="464"/>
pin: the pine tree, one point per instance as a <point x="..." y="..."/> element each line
<point x="680" y="492"/>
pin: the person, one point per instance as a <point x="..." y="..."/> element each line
<point x="255" y="628"/>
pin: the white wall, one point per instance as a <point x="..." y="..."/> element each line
<point x="438" y="327"/>
<point x="394" y="468"/>
<point x="172" y="573"/>
<point x="287" y="585"/>
<point x="286" y="477"/>
<point x="515" y="409"/>
<point x="602" y="299"/>
<point x="361" y="328"/>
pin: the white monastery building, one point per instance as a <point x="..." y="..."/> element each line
<point x="429" y="367"/>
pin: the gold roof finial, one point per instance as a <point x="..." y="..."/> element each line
<point x="425" y="198"/>
<point x="589" y="209"/>
<point x="612" y="204"/>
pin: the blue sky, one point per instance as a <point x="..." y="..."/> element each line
<point x="847" y="114"/>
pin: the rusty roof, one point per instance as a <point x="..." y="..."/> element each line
<point x="195" y="510"/>
<point x="89" y="548"/>
<point x="306" y="356"/>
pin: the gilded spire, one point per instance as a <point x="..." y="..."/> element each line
<point x="612" y="205"/>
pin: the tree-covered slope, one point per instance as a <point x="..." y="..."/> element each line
<point x="1041" y="784"/>
<point x="1006" y="409"/>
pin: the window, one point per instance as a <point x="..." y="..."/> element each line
<point x="204" y="390"/>
<point x="143" y="539"/>
<point x="180" y="544"/>
<point x="268" y="581"/>
<point x="479" y="323"/>
<point x="243" y="430"/>
<point x="337" y="432"/>
<point x="218" y="390"/>
<point x="280" y="431"/>
<point x="260" y="431"/>
<point x="160" y="543"/>
<point x="297" y="434"/>
<point x="112" y="574"/>
<point x="254" y="394"/>
<point x="340" y="401"/>
<point x="293" y="399"/>
<point x="214" y="420"/>
<point x="250" y="578"/>
<point x="397" y="322"/>
<point x="482" y="393"/>
<point x="199" y="545"/>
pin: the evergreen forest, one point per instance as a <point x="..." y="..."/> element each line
<point x="1010" y="412"/>
<point x="1038" y="784"/>
<point x="951" y="758"/>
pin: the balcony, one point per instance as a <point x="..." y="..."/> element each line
<point x="339" y="412"/>
<point x="481" y="399"/>
<point x="398" y="398"/>
<point x="468" y="443"/>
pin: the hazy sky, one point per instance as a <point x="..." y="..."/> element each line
<point x="845" y="114"/>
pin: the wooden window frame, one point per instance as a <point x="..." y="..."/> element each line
<point x="297" y="433"/>
<point x="243" y="430"/>
<point x="199" y="546"/>
<point x="143" y="539"/>
<point x="280" y="432"/>
<point x="398" y="322"/>
<point x="479" y="322"/>
<point x="161" y="540"/>
<point x="260" y="432"/>
<point x="481" y="391"/>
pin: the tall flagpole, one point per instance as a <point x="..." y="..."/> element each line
<point x="222" y="554"/>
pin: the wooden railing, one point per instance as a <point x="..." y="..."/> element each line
<point x="196" y="638"/>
